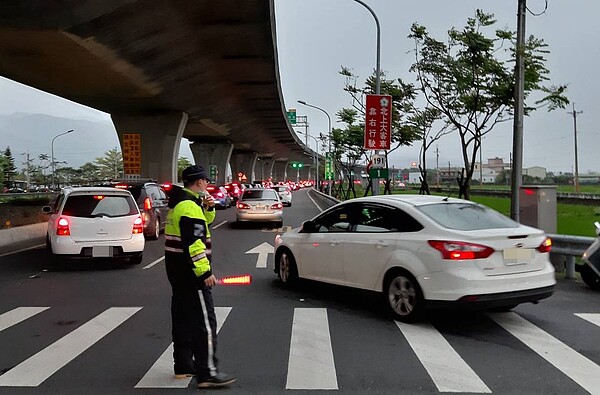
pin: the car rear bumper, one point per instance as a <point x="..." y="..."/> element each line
<point x="260" y="217"/>
<point x="67" y="246"/>
<point x="486" y="301"/>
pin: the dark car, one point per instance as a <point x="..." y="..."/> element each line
<point x="152" y="201"/>
<point x="222" y="198"/>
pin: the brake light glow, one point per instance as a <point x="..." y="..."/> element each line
<point x="62" y="227"/>
<point x="243" y="206"/>
<point x="138" y="226"/>
<point x="546" y="245"/>
<point x="459" y="250"/>
<point x="244" y="279"/>
<point x="98" y="197"/>
<point x="166" y="186"/>
<point x="121" y="186"/>
<point x="277" y="206"/>
<point x="147" y="204"/>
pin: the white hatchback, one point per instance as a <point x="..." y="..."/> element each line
<point x="421" y="251"/>
<point x="95" y="222"/>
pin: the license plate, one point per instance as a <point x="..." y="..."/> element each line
<point x="518" y="256"/>
<point x="101" y="251"/>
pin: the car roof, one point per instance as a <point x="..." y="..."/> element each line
<point x="103" y="190"/>
<point x="413" y="200"/>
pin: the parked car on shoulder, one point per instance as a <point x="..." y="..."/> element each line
<point x="95" y="222"/>
<point x="421" y="252"/>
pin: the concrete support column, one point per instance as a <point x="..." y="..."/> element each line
<point x="264" y="171"/>
<point x="244" y="163"/>
<point x="280" y="171"/>
<point x="160" y="137"/>
<point x="218" y="154"/>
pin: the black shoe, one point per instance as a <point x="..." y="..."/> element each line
<point x="220" y="380"/>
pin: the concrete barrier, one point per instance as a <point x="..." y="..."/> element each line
<point x="22" y="233"/>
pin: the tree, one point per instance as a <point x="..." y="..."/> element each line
<point x="473" y="89"/>
<point x="3" y="164"/>
<point x="90" y="173"/>
<point x="182" y="163"/>
<point x="349" y="141"/>
<point x="8" y="167"/>
<point x="110" y="166"/>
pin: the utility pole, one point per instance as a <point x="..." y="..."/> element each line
<point x="517" y="168"/>
<point x="437" y="165"/>
<point x="574" y="113"/>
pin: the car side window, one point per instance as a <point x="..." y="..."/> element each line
<point x="162" y="194"/>
<point x="58" y="203"/>
<point x="337" y="220"/>
<point x="376" y="219"/>
<point x="153" y="192"/>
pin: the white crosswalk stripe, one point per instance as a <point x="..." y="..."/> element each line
<point x="447" y="369"/>
<point x="17" y="315"/>
<point x="579" y="368"/>
<point x="311" y="364"/>
<point x="33" y="371"/>
<point x="161" y="374"/>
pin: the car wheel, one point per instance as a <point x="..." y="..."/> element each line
<point x="156" y="230"/>
<point x="288" y="271"/>
<point x="403" y="296"/>
<point x="589" y="277"/>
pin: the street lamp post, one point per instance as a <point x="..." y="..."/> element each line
<point x="329" y="135"/>
<point x="316" y="157"/>
<point x="52" y="153"/>
<point x="377" y="71"/>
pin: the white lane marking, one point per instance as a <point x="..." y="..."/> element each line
<point x="449" y="372"/>
<point x="23" y="249"/>
<point x="33" y="371"/>
<point x="580" y="369"/>
<point x="313" y="200"/>
<point x="263" y="250"/>
<point x="216" y="226"/>
<point x="593" y="318"/>
<point x="161" y="374"/>
<point x="17" y="315"/>
<point x="311" y="365"/>
<point x="148" y="266"/>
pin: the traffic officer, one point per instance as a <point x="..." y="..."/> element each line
<point x="187" y="260"/>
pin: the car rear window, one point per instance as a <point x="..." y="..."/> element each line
<point x="465" y="216"/>
<point x="259" y="194"/>
<point x="89" y="206"/>
<point x="280" y="189"/>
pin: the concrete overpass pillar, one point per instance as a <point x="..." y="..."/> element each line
<point x="265" y="168"/>
<point x="218" y="154"/>
<point x="280" y="171"/>
<point x="243" y="162"/>
<point x="159" y="136"/>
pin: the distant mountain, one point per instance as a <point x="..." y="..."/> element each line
<point x="24" y="132"/>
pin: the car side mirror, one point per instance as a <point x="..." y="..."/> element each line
<point x="47" y="209"/>
<point x="308" y="227"/>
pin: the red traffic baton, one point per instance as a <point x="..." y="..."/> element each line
<point x="243" y="279"/>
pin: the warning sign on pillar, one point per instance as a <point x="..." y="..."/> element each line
<point x="132" y="155"/>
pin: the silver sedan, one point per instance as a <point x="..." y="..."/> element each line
<point x="260" y="205"/>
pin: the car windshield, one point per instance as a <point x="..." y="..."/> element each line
<point x="89" y="206"/>
<point x="466" y="216"/>
<point x="259" y="194"/>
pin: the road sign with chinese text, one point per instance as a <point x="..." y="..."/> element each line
<point x="213" y="171"/>
<point x="132" y="154"/>
<point x="291" y="113"/>
<point x="328" y="166"/>
<point x="378" y="122"/>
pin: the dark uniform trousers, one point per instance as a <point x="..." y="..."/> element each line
<point x="193" y="319"/>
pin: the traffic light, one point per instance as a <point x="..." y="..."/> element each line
<point x="297" y="165"/>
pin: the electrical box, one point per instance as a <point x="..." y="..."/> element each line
<point x="537" y="207"/>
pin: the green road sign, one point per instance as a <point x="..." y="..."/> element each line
<point x="378" y="173"/>
<point x="292" y="115"/>
<point x="212" y="171"/>
<point x="328" y="167"/>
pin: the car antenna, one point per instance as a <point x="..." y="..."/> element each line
<point x="447" y="197"/>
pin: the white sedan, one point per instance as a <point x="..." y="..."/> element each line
<point x="420" y="251"/>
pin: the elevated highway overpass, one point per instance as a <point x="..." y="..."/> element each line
<point x="199" y="69"/>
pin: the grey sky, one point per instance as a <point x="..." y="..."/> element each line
<point x="317" y="37"/>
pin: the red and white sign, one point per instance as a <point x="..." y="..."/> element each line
<point x="378" y="122"/>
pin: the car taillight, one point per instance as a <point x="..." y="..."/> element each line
<point x="138" y="226"/>
<point x="243" y="206"/>
<point x="457" y="250"/>
<point x="546" y="245"/>
<point x="147" y="204"/>
<point x="277" y="206"/>
<point x="167" y="186"/>
<point x="220" y="194"/>
<point x="62" y="227"/>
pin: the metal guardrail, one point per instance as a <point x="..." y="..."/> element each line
<point x="565" y="248"/>
<point x="323" y="200"/>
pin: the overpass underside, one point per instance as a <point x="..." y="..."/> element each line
<point x="199" y="69"/>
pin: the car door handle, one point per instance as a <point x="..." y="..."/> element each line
<point x="381" y="244"/>
<point x="334" y="242"/>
